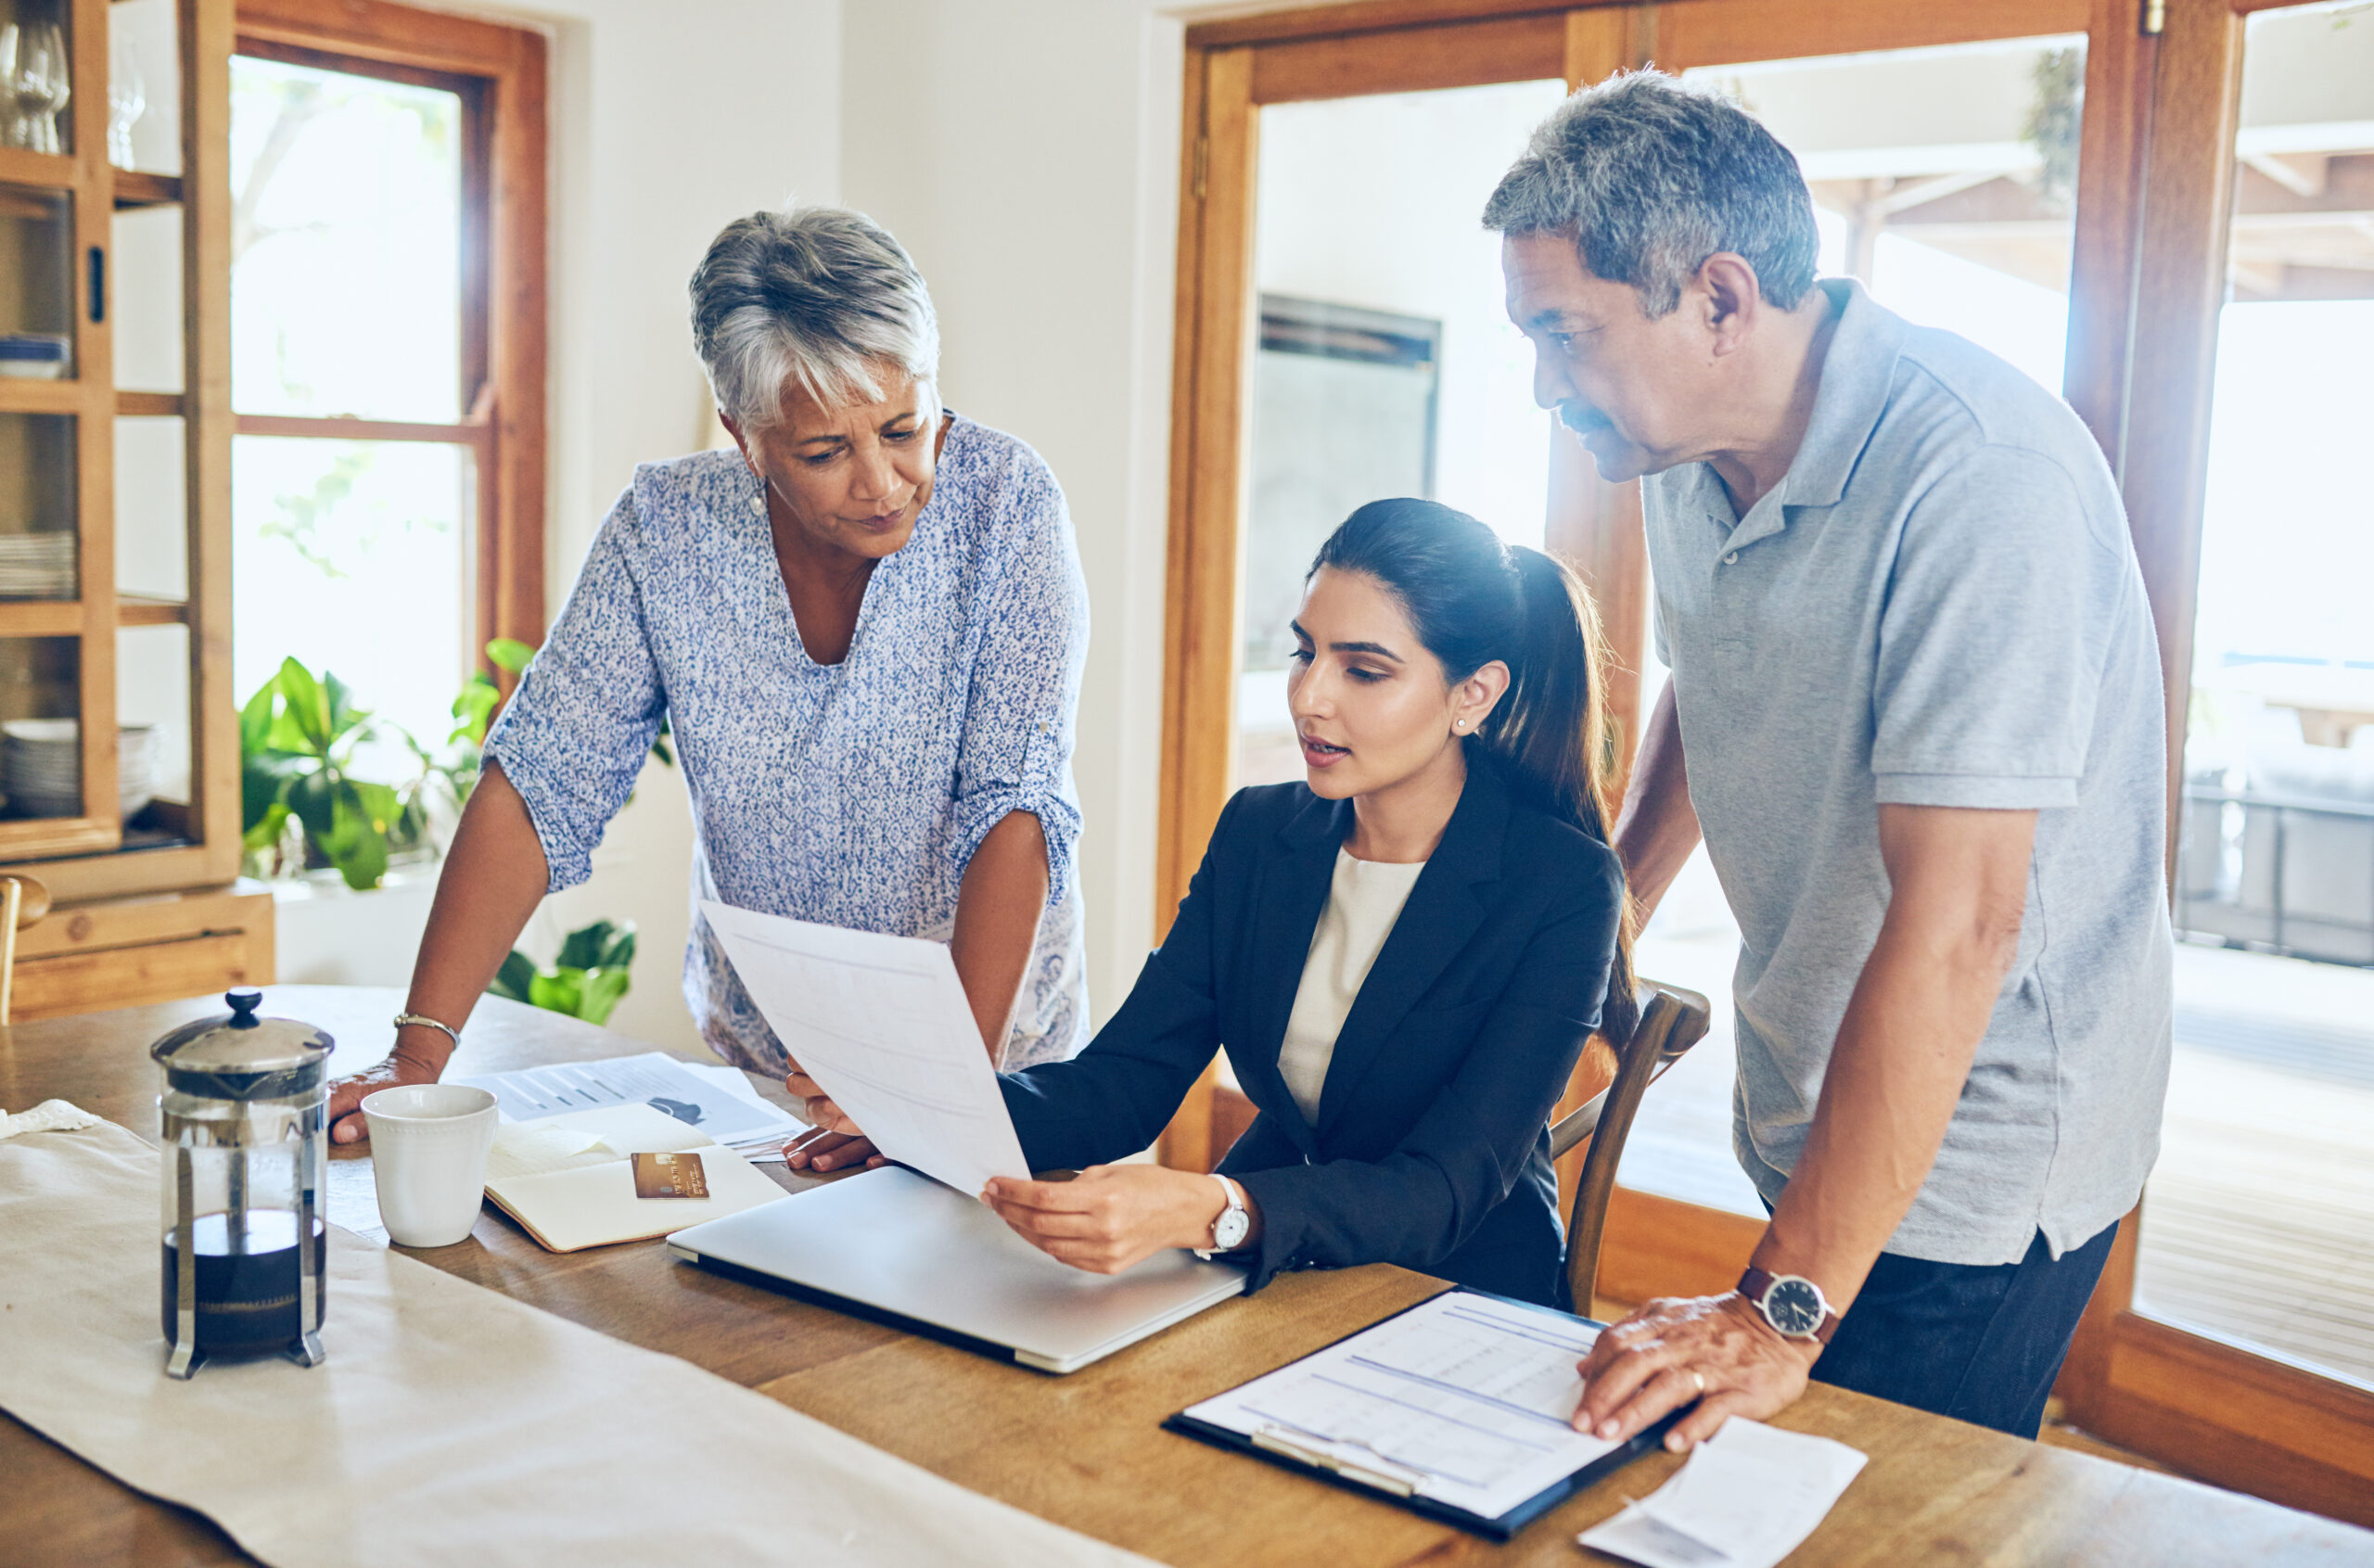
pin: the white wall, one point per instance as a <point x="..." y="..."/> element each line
<point x="1026" y="154"/>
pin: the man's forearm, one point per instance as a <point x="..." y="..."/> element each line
<point x="1903" y="1050"/>
<point x="997" y="905"/>
<point x="1658" y="827"/>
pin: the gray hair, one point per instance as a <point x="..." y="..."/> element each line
<point x="1651" y="178"/>
<point x="819" y="295"/>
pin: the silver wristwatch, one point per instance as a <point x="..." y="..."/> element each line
<point x="1234" y="1225"/>
<point x="1793" y="1305"/>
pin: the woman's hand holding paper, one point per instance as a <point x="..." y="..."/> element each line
<point x="1110" y="1216"/>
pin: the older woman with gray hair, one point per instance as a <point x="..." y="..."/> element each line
<point x="865" y="626"/>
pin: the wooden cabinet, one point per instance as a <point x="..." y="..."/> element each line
<point x="119" y="741"/>
<point x="151" y="947"/>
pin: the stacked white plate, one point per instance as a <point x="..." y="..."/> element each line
<point x="36" y="566"/>
<point x="41" y="761"/>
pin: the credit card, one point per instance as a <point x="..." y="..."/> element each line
<point x="669" y="1175"/>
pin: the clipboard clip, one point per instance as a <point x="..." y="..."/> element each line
<point x="1381" y="1476"/>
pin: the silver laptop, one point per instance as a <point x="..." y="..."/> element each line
<point x="895" y="1245"/>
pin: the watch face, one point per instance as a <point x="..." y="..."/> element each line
<point x="1793" y="1307"/>
<point x="1229" y="1229"/>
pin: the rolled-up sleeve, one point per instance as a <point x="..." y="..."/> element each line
<point x="1992" y="644"/>
<point x="574" y="736"/>
<point x="1018" y="722"/>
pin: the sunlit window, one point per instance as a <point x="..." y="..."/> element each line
<point x="356" y="472"/>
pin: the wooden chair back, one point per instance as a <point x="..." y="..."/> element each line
<point x="1672" y="1020"/>
<point x="23" y="900"/>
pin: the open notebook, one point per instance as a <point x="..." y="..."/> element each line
<point x="569" y="1180"/>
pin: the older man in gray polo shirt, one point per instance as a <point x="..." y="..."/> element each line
<point x="1916" y="712"/>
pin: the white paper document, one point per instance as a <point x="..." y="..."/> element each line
<point x="1463" y="1400"/>
<point x="882" y="1023"/>
<point x="1745" y="1498"/>
<point x="654" y="1079"/>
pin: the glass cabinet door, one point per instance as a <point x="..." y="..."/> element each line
<point x="113" y="456"/>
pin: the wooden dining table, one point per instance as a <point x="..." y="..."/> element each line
<point x="1087" y="1451"/>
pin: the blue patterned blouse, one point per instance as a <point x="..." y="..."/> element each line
<point x="852" y="794"/>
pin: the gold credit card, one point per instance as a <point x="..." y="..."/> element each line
<point x="669" y="1175"/>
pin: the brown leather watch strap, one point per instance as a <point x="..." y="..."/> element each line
<point x="1756" y="1281"/>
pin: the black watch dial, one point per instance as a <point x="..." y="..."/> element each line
<point x="1793" y="1307"/>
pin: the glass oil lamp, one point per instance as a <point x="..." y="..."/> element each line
<point x="245" y="1146"/>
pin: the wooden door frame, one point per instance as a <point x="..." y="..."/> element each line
<point x="2221" y="1411"/>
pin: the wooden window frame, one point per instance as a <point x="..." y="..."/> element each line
<point x="2149" y="244"/>
<point x="499" y="72"/>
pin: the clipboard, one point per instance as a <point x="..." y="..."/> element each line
<point x="1380" y="1476"/>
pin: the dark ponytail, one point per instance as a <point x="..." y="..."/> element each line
<point x="1472" y="599"/>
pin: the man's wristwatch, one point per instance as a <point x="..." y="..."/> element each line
<point x="1791" y="1303"/>
<point x="1233" y="1224"/>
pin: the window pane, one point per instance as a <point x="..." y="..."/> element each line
<point x="37" y="538"/>
<point x="37" y="283"/>
<point x="2259" y="1223"/>
<point x="151" y="508"/>
<point x="352" y="557"/>
<point x="1386" y="364"/>
<point x="346" y="245"/>
<point x="41" y="696"/>
<point x="153" y="705"/>
<point x="145" y="87"/>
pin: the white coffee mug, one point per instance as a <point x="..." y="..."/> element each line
<point x="428" y="1149"/>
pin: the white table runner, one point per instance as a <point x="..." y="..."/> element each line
<point x="449" y="1425"/>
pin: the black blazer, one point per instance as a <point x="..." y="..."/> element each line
<point x="1431" y="1148"/>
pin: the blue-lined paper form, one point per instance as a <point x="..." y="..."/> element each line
<point x="1463" y="1400"/>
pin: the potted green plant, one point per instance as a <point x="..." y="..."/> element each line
<point x="587" y="981"/>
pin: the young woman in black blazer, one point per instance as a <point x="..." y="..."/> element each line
<point x="1446" y="690"/>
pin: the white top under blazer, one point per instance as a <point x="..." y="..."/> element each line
<point x="1363" y="901"/>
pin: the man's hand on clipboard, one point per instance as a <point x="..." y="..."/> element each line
<point x="833" y="1142"/>
<point x="1717" y="1350"/>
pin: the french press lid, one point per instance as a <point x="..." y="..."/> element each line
<point x="237" y="1055"/>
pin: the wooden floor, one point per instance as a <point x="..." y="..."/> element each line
<point x="2259" y="1218"/>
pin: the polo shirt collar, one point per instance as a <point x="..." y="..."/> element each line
<point x="1857" y="377"/>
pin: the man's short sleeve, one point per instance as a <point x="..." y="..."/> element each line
<point x="1991" y="642"/>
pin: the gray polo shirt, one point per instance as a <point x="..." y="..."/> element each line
<point x="1938" y="606"/>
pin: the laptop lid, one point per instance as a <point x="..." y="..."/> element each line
<point x="896" y="1244"/>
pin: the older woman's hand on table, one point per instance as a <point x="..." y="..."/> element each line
<point x="1110" y="1216"/>
<point x="347" y="1094"/>
<point x="836" y="1143"/>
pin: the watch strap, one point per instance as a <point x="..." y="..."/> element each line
<point x="1235" y="1197"/>
<point x="1756" y="1282"/>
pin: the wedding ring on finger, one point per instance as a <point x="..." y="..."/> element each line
<point x="1700" y="1379"/>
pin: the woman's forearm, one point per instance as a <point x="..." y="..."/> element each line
<point x="494" y="877"/>
<point x="997" y="905"/>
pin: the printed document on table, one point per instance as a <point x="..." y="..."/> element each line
<point x="1748" y="1497"/>
<point x="1463" y="1400"/>
<point x="654" y="1079"/>
<point x="882" y="1025"/>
